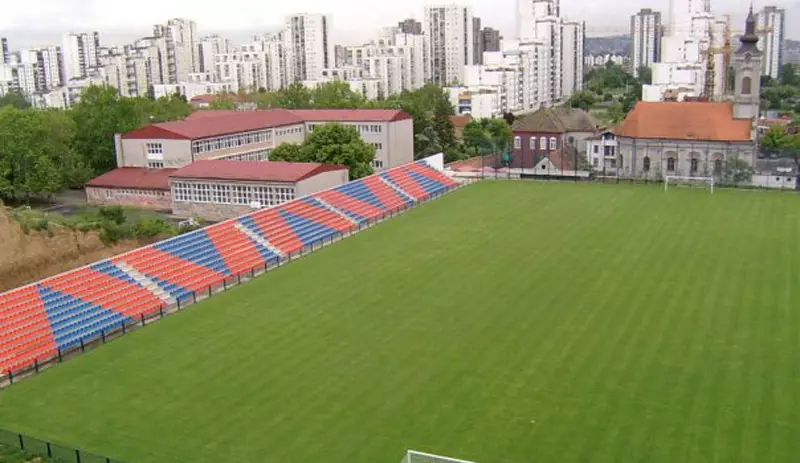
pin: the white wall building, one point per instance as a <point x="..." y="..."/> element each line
<point x="572" y="65"/>
<point x="208" y="48"/>
<point x="182" y="51"/>
<point x="772" y="24"/>
<point x="449" y="30"/>
<point x="646" y="35"/>
<point x="193" y="89"/>
<point x="309" y="45"/>
<point x="80" y="54"/>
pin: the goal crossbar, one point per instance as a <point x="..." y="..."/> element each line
<point x="414" y="455"/>
<point x="678" y="178"/>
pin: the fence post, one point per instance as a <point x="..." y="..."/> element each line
<point x="124" y="329"/>
<point x="253" y="272"/>
<point x="209" y="290"/>
<point x="103" y="335"/>
<point x="161" y="312"/>
<point x="178" y="300"/>
<point x="21" y="442"/>
<point x="77" y="455"/>
<point x="49" y="450"/>
<point x="224" y="284"/>
<point x="60" y="357"/>
<point x="10" y="376"/>
<point x="239" y="276"/>
<point x="83" y="347"/>
<point x="194" y="296"/>
<point x="36" y="365"/>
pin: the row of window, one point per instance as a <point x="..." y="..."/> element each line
<point x="607" y="150"/>
<point x="543" y="143"/>
<point x="155" y="148"/>
<point x="222" y="193"/>
<point x="258" y="155"/>
<point x="672" y="163"/>
<point x="289" y="131"/>
<point x="231" y="141"/>
<point x="129" y="192"/>
<point x="362" y="128"/>
<point x="155" y="164"/>
<point x="377" y="163"/>
<point x="378" y="146"/>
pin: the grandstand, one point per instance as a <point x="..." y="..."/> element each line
<point x="44" y="321"/>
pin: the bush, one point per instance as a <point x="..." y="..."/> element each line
<point x="148" y="228"/>
<point x="112" y="213"/>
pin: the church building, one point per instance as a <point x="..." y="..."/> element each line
<point x="696" y="138"/>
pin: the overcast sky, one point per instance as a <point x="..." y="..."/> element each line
<point x="353" y="20"/>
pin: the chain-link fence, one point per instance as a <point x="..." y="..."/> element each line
<point x="56" y="452"/>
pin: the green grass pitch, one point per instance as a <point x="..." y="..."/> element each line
<point x="506" y="323"/>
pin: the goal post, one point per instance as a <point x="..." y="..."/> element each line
<point x="691" y="181"/>
<point x="413" y="456"/>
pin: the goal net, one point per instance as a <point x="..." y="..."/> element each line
<point x="413" y="456"/>
<point x="702" y="182"/>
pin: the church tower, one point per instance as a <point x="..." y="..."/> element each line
<point x="747" y="73"/>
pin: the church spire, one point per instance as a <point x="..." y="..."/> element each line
<point x="750" y="38"/>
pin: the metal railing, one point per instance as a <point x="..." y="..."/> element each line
<point x="57" y="452"/>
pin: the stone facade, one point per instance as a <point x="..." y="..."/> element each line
<point x="649" y="158"/>
<point x="148" y="199"/>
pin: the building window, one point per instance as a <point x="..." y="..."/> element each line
<point x="596" y="149"/>
<point x="571" y="140"/>
<point x="378" y="146"/>
<point x="621" y="161"/>
<point x="258" y="155"/>
<point x="613" y="163"/>
<point x="378" y="164"/>
<point x="595" y="162"/>
<point x="532" y="143"/>
<point x="718" y="167"/>
<point x="693" y="166"/>
<point x="646" y="164"/>
<point x="155" y="164"/>
<point x="223" y="193"/>
<point x="747" y="86"/>
<point x="543" y="144"/>
<point x="553" y="143"/>
<point x="155" y="148"/>
<point x="517" y="143"/>
<point x="670" y="164"/>
<point x="232" y="141"/>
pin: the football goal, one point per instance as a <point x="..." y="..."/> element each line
<point x="674" y="180"/>
<point x="413" y="456"/>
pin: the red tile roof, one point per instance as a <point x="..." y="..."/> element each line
<point x="284" y="172"/>
<point x="135" y="178"/>
<point x="203" y="124"/>
<point x="210" y="126"/>
<point x="351" y="115"/>
<point x="685" y="121"/>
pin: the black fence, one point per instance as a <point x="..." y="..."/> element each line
<point x="10" y="377"/>
<point x="56" y="452"/>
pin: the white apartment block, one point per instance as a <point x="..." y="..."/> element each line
<point x="771" y="23"/>
<point x="309" y="45"/>
<point x="4" y="54"/>
<point x="182" y="51"/>
<point x="193" y="89"/>
<point x="449" y="30"/>
<point x="572" y="65"/>
<point x="127" y="73"/>
<point x="646" y="34"/>
<point x="80" y="54"/>
<point x="209" y="47"/>
<point x="530" y="11"/>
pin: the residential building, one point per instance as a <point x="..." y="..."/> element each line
<point x="490" y="40"/>
<point x="529" y="12"/>
<point x="209" y="47"/>
<point x="477" y="43"/>
<point x="646" y="34"/>
<point x="5" y="57"/>
<point x="80" y="54"/>
<point x="410" y="26"/>
<point x="251" y="135"/>
<point x="181" y="49"/>
<point x="450" y="33"/>
<point x="559" y="130"/>
<point x="772" y="24"/>
<point x="601" y="152"/>
<point x="50" y="63"/>
<point x="132" y="186"/>
<point x="309" y="45"/>
<point x="572" y="64"/>
<point x="193" y="89"/>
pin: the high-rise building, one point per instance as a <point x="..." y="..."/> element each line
<point x="80" y="54"/>
<point x="531" y="11"/>
<point x="182" y="51"/>
<point x="772" y="24"/>
<point x="209" y="47"/>
<point x="450" y="30"/>
<point x="646" y="35"/>
<point x="477" y="44"/>
<point x="574" y="38"/>
<point x="50" y="68"/>
<point x="490" y="39"/>
<point x="308" y="39"/>
<point x="410" y="26"/>
<point x="4" y="56"/>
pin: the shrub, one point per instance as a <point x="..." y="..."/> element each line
<point x="148" y="228"/>
<point x="112" y="213"/>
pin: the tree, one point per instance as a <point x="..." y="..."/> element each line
<point x="336" y="95"/>
<point x="788" y="75"/>
<point x="776" y="138"/>
<point x="584" y="100"/>
<point x="342" y="145"/>
<point x="616" y="113"/>
<point x="288" y="152"/>
<point x="737" y="171"/>
<point x="295" y="96"/>
<point x="486" y="136"/>
<point x="431" y="109"/>
<point x="14" y="99"/>
<point x="645" y="75"/>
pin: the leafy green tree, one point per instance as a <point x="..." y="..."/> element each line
<point x="616" y="113"/>
<point x="14" y="99"/>
<point x="645" y="75"/>
<point x="788" y="75"/>
<point x="295" y="96"/>
<point x="776" y="138"/>
<point x="336" y="95"/>
<point x="737" y="171"/>
<point x="99" y="115"/>
<point x="339" y="144"/>
<point x="584" y="100"/>
<point x="288" y="152"/>
<point x="486" y="136"/>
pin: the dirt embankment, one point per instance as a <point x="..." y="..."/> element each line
<point x="25" y="258"/>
